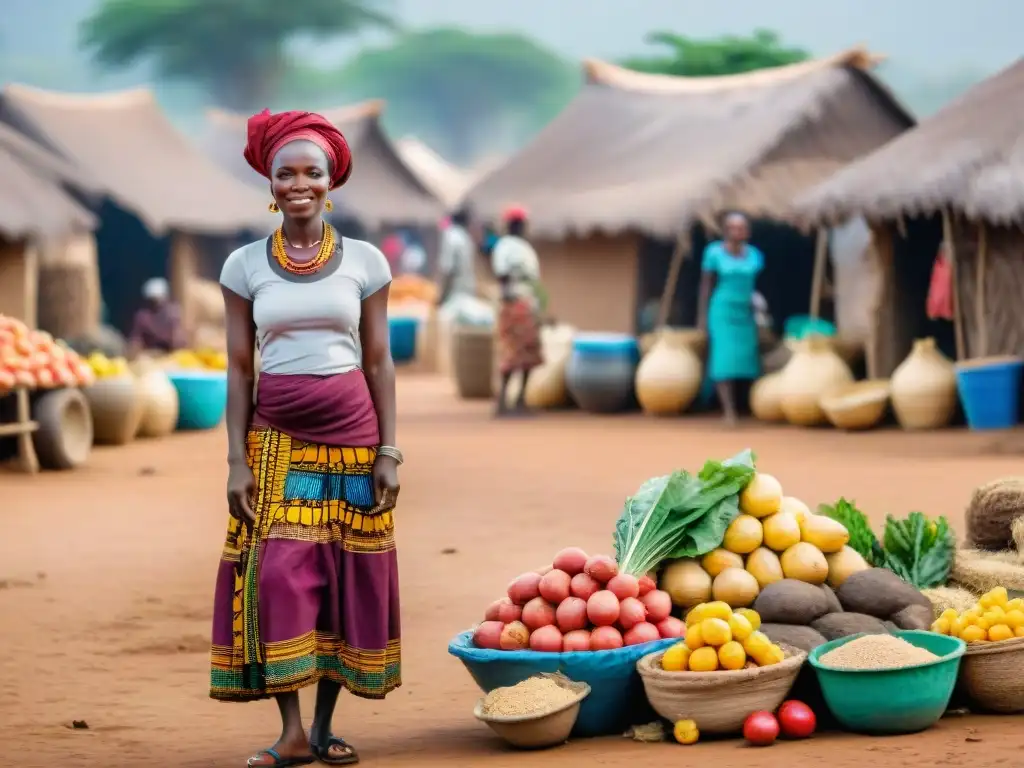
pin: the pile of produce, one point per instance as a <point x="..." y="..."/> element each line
<point x="717" y="637"/>
<point x="34" y="360"/>
<point x="533" y="696"/>
<point x="104" y="367"/>
<point x="877" y="652"/>
<point x="197" y="360"/>
<point x="994" y="618"/>
<point x="412" y="288"/>
<point x="581" y="603"/>
<point x="793" y="720"/>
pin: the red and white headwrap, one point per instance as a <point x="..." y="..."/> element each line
<point x="267" y="133"/>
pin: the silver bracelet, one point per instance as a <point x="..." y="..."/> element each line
<point x="392" y="452"/>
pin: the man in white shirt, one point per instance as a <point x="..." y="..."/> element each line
<point x="456" y="274"/>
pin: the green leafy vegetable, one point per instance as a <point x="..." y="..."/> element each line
<point x="918" y="550"/>
<point x="862" y="538"/>
<point x="680" y="515"/>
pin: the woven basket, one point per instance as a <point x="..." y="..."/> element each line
<point x="859" y="405"/>
<point x="472" y="351"/>
<point x="989" y="676"/>
<point x="720" y="701"/>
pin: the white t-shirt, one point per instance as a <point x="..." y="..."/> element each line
<point x="307" y="324"/>
<point x="515" y="257"/>
<point x="456" y="258"/>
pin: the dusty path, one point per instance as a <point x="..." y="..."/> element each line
<point x="106" y="576"/>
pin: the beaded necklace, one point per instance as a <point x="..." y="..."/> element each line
<point x="327" y="245"/>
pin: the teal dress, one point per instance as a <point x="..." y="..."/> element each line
<point x="732" y="329"/>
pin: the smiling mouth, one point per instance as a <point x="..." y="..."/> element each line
<point x="300" y="200"/>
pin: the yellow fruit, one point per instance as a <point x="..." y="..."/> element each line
<point x="686" y="583"/>
<point x="735" y="587"/>
<point x="804" y="562"/>
<point x="756" y="644"/>
<point x="950" y="615"/>
<point x="717" y="609"/>
<point x="675" y="658"/>
<point x="762" y="496"/>
<point x="781" y="531"/>
<point x="774" y="655"/>
<point x="743" y="535"/>
<point x="997" y="596"/>
<point x="752" y="616"/>
<point x="973" y="634"/>
<point x="703" y="660"/>
<point x="981" y="623"/>
<point x="740" y="627"/>
<point x="994" y="615"/>
<point x="843" y="564"/>
<point x="1014" y="618"/>
<point x="764" y="565"/>
<point x="694" y="639"/>
<point x="685" y="732"/>
<point x="1015" y="605"/>
<point x="999" y="632"/>
<point x="956" y="628"/>
<point x="715" y="632"/>
<point x="1018" y="631"/>
<point x="941" y="626"/>
<point x="717" y="560"/>
<point x="971" y="616"/>
<point x="794" y="506"/>
<point x="732" y="656"/>
<point x="695" y="615"/>
<point x="825" y="533"/>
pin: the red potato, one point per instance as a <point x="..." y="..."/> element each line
<point x="577" y="640"/>
<point x="659" y="605"/>
<point x="554" y="586"/>
<point x="624" y="585"/>
<point x="641" y="633"/>
<point x="646" y="584"/>
<point x="583" y="586"/>
<point x="761" y="729"/>
<point x="605" y="639"/>
<point x="509" y="611"/>
<point x="571" y="614"/>
<point x="524" y="588"/>
<point x="514" y="637"/>
<point x="671" y="627"/>
<point x="603" y="609"/>
<point x="571" y="560"/>
<point x="538" y="613"/>
<point x="488" y="635"/>
<point x="546" y="640"/>
<point x="796" y="720"/>
<point x="631" y="613"/>
<point x="494" y="610"/>
<point x="601" y="567"/>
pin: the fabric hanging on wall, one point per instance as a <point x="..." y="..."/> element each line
<point x="940" y="290"/>
<point x="856" y="277"/>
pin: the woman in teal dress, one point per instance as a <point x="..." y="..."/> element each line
<point x="729" y="273"/>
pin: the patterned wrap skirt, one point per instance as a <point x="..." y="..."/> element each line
<point x="312" y="592"/>
<point x="519" y="347"/>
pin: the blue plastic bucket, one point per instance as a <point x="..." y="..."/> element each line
<point x="616" y="701"/>
<point x="402" y="332"/>
<point x="202" y="398"/>
<point x="990" y="392"/>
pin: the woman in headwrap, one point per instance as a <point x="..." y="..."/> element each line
<point x="307" y="590"/>
<point x="157" y="326"/>
<point x="517" y="269"/>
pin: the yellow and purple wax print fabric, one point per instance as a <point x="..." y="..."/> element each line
<point x="312" y="591"/>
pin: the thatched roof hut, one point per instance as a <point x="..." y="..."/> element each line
<point x="965" y="164"/>
<point x="648" y="155"/>
<point x="383" y="189"/>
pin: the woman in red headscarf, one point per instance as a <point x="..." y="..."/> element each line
<point x="307" y="590"/>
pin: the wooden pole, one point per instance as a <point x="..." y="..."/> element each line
<point x="818" y="280"/>
<point x="958" y="321"/>
<point x="979" y="290"/>
<point x="672" y="280"/>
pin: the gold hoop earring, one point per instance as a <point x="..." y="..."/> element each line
<point x="328" y="205"/>
<point x="273" y="207"/>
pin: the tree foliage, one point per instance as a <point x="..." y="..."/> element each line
<point x="729" y="55"/>
<point x="236" y="48"/>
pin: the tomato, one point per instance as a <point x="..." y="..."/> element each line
<point x="761" y="729"/>
<point x="796" y="720"/>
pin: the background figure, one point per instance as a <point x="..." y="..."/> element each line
<point x="456" y="272"/>
<point x="392" y="246"/>
<point x="414" y="255"/>
<point x="157" y="325"/>
<point x="726" y="311"/>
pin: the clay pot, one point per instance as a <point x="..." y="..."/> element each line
<point x="159" y="404"/>
<point x="669" y="376"/>
<point x="814" y="371"/>
<point x="116" y="407"/>
<point x="924" y="392"/>
<point x="601" y="372"/>
<point x="860" y="405"/>
<point x="766" y="398"/>
<point x="65" y="435"/>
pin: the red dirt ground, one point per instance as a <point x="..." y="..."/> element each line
<point x="106" y="576"/>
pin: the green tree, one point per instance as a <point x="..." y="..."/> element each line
<point x="729" y="55"/>
<point x="465" y="93"/>
<point x="234" y="48"/>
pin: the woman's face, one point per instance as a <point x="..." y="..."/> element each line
<point x="300" y="178"/>
<point x="736" y="229"/>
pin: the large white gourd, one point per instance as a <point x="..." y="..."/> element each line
<point x="924" y="388"/>
<point x="669" y="376"/>
<point x="814" y="370"/>
<point x="766" y="398"/>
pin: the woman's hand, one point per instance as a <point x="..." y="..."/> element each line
<point x="385" y="483"/>
<point x="240" y="488"/>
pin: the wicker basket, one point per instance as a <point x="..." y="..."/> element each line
<point x="472" y="351"/>
<point x="989" y="676"/>
<point x="860" y="405"/>
<point x="720" y="701"/>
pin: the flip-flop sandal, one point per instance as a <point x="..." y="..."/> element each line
<point x="323" y="752"/>
<point x="281" y="762"/>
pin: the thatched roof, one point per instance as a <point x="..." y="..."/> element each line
<point x="653" y="152"/>
<point x="968" y="157"/>
<point x="125" y="143"/>
<point x="382" y="188"/>
<point x="447" y="181"/>
<point x="34" y="202"/>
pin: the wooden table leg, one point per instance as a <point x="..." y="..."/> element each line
<point x="26" y="449"/>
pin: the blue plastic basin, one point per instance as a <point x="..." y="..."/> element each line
<point x="202" y="398"/>
<point x="990" y="392"/>
<point x="616" y="699"/>
<point x="607" y="345"/>
<point x="402" y="332"/>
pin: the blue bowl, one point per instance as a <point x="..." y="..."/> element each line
<point x="402" y="331"/>
<point x="616" y="701"/>
<point x="202" y="398"/>
<point x="607" y="345"/>
<point x="990" y="393"/>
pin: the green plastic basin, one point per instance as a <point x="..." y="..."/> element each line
<point x="889" y="701"/>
